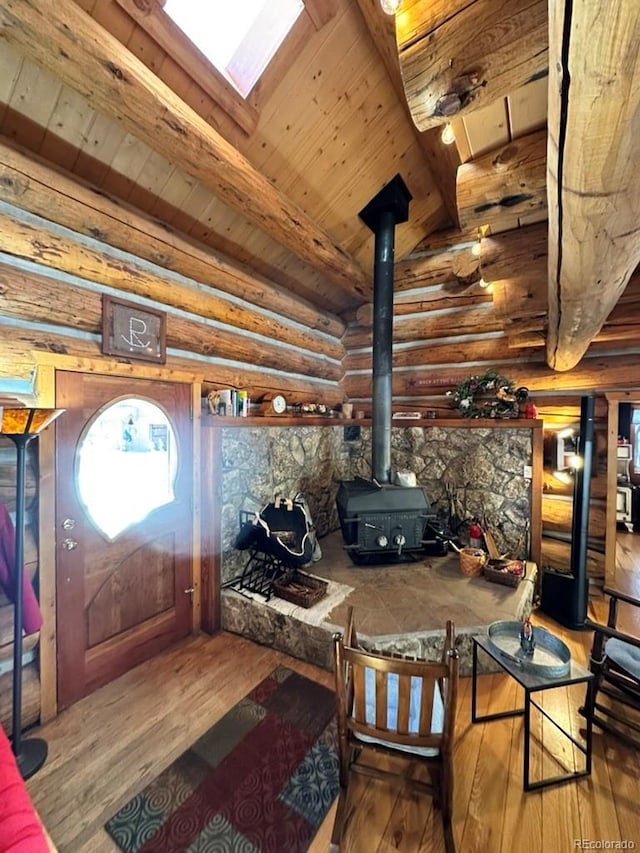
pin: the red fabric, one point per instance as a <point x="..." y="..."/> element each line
<point x="20" y="828"/>
<point x="31" y="616"/>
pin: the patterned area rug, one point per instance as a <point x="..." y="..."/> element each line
<point x="260" y="781"/>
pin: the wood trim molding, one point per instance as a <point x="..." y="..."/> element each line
<point x="610" y="522"/>
<point x="45" y="392"/>
<point x="152" y="18"/>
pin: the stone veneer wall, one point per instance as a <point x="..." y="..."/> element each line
<point x="259" y="463"/>
<point x="481" y="469"/>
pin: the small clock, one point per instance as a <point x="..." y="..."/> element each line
<point x="279" y="404"/>
<point x="274" y="405"/>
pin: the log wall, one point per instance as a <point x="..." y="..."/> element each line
<point x="64" y="245"/>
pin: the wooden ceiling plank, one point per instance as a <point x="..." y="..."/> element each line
<point x="593" y="175"/>
<point x="507" y="182"/>
<point x="487" y="129"/>
<point x="527" y="107"/>
<point x="320" y="11"/>
<point x="457" y="58"/>
<point x="117" y="83"/>
<point x="443" y="160"/>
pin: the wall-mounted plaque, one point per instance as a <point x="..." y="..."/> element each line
<point x="133" y="331"/>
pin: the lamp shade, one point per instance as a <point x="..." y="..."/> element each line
<point x="26" y="421"/>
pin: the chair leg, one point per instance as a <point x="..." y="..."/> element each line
<point x="336" y="834"/>
<point x="449" y="841"/>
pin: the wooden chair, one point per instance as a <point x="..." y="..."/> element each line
<point x="396" y="707"/>
<point x="614" y="704"/>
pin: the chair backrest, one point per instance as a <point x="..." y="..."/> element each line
<point x="404" y="703"/>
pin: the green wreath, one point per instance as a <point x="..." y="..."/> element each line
<point x="504" y="404"/>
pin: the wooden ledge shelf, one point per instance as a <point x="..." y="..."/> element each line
<point x="219" y="421"/>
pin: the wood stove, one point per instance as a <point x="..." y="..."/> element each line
<point x="380" y="521"/>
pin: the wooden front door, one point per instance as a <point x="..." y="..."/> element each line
<point x="123" y="525"/>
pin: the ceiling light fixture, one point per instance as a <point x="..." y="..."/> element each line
<point x="484" y="284"/>
<point x="447" y="136"/>
<point x="390" y="6"/>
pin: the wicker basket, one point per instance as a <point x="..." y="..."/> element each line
<point x="300" y="588"/>
<point x="471" y="561"/>
<point x="510" y="574"/>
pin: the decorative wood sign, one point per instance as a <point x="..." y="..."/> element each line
<point x="132" y="331"/>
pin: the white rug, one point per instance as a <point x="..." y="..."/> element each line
<point x="315" y="615"/>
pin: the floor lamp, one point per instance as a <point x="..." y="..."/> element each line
<point x="22" y="426"/>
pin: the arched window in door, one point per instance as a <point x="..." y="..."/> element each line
<point x="126" y="464"/>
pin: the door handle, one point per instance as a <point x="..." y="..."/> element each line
<point x="190" y="590"/>
<point x="69" y="544"/>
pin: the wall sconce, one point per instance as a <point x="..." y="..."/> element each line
<point x="569" y="459"/>
<point x="390" y="7"/>
<point x="21" y="426"/>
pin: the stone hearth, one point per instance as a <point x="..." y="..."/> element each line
<point x="401" y="607"/>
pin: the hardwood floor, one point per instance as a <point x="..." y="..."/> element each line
<point x="110" y="745"/>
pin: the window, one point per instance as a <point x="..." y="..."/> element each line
<point x="127" y="465"/>
<point x="238" y="37"/>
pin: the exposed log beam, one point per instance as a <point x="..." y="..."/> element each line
<point x="458" y="56"/>
<point x="507" y="182"/>
<point x="593" y="175"/>
<point x="443" y="159"/>
<point x="115" y="82"/>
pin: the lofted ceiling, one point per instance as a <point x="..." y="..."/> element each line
<point x="276" y="187"/>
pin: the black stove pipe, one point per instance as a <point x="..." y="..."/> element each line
<point x="385" y="210"/>
<point x="382" y="348"/>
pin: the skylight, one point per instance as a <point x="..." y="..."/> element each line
<point x="238" y="38"/>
